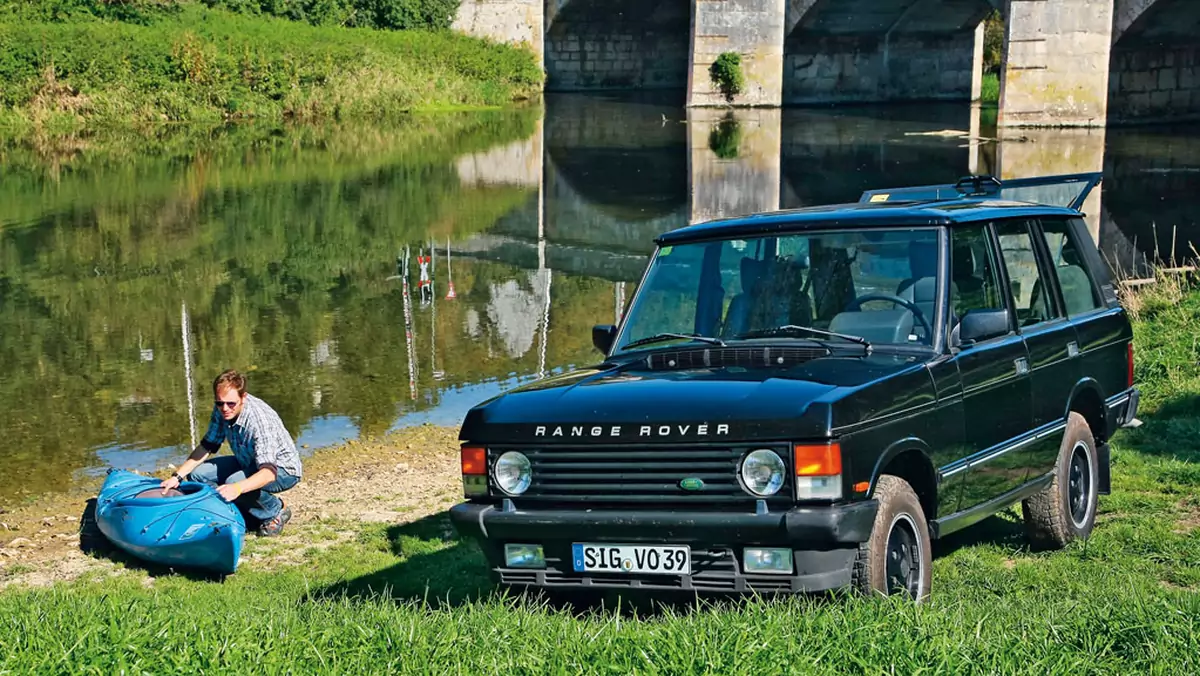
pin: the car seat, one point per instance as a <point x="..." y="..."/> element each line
<point x="921" y="288"/>
<point x="737" y="317"/>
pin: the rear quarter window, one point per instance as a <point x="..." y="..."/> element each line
<point x="1076" y="279"/>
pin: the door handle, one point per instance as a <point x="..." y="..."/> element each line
<point x="1021" y="364"/>
<point x="1072" y="349"/>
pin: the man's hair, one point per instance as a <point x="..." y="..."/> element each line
<point x="230" y="378"/>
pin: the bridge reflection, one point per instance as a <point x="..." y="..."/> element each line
<point x="613" y="172"/>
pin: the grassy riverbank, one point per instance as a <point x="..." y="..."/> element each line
<point x="187" y="62"/>
<point x="373" y="579"/>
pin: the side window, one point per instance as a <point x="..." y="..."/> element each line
<point x="1074" y="278"/>
<point x="974" y="282"/>
<point x="1031" y="298"/>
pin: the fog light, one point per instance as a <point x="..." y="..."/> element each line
<point x="767" y="561"/>
<point x="474" y="486"/>
<point x="524" y="556"/>
<point x="819" y="487"/>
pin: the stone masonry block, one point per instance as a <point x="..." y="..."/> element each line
<point x="1168" y="79"/>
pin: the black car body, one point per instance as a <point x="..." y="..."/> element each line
<point x="801" y="400"/>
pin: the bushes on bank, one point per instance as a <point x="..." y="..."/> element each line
<point x="380" y="14"/>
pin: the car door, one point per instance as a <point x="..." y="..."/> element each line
<point x="1101" y="332"/>
<point x="994" y="373"/>
<point x="1049" y="339"/>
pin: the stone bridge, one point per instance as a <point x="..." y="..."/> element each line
<point x="1067" y="62"/>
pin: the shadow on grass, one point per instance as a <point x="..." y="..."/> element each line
<point x="93" y="543"/>
<point x="1005" y="530"/>
<point x="438" y="568"/>
<point x="1168" y="429"/>
<point x="441" y="571"/>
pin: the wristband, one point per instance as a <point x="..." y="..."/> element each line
<point x="238" y="485"/>
<point x="178" y="476"/>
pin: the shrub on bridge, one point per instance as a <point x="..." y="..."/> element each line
<point x="726" y="74"/>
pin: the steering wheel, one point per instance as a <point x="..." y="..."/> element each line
<point x="856" y="305"/>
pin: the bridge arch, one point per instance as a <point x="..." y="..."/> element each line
<point x="617" y="44"/>
<point x="883" y="50"/>
<point x="1154" y="69"/>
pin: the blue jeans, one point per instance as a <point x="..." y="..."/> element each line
<point x="260" y="504"/>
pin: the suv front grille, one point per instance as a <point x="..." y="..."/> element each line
<point x="611" y="476"/>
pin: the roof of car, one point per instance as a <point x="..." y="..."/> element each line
<point x="864" y="214"/>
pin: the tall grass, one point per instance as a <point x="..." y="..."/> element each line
<point x="194" y="63"/>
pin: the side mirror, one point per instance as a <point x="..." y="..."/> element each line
<point x="980" y="325"/>
<point x="603" y="336"/>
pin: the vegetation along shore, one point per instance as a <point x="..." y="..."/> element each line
<point x="371" y="577"/>
<point x="71" y="64"/>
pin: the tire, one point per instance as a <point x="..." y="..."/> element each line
<point x="897" y="559"/>
<point x="1066" y="509"/>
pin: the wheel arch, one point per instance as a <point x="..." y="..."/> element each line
<point x="1087" y="399"/>
<point x="909" y="459"/>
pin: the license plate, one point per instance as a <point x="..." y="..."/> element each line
<point x="653" y="559"/>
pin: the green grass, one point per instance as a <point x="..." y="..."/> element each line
<point x="990" y="93"/>
<point x="414" y="598"/>
<point x="198" y="64"/>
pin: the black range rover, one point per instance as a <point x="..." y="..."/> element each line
<point x="802" y="400"/>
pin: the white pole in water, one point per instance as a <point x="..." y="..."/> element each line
<point x="187" y="373"/>
<point x="545" y="327"/>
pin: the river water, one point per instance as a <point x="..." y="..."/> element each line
<point x="136" y="266"/>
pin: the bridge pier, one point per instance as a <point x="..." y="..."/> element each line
<point x="752" y="28"/>
<point x="1056" y="69"/>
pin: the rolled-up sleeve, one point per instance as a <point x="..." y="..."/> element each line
<point x="215" y="435"/>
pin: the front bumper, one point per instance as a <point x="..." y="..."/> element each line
<point x="824" y="541"/>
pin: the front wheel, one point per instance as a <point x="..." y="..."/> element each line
<point x="896" y="559"/>
<point x="1066" y="509"/>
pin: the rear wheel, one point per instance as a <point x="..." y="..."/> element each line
<point x="896" y="559"/>
<point x="1066" y="509"/>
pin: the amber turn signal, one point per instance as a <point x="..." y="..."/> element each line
<point x="818" y="459"/>
<point x="474" y="460"/>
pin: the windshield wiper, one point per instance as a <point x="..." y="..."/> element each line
<point x="795" y="328"/>
<point x="660" y="337"/>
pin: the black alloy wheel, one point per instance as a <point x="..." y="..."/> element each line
<point x="1079" y="486"/>
<point x="1066" y="509"/>
<point x="897" y="558"/>
<point x="903" y="558"/>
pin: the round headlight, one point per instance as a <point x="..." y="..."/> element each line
<point x="513" y="473"/>
<point x="763" y="472"/>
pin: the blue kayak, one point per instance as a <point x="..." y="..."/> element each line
<point x="193" y="527"/>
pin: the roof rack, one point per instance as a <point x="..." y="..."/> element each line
<point x="1067" y="190"/>
<point x="978" y="185"/>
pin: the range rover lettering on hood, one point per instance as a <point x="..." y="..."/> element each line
<point x="627" y="431"/>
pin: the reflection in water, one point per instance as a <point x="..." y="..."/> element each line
<point x="374" y="278"/>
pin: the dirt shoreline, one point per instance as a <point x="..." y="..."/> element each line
<point x="397" y="478"/>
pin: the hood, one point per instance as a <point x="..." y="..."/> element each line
<point x="618" y="403"/>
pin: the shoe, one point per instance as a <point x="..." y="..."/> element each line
<point x="275" y="525"/>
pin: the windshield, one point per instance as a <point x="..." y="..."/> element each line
<point x="879" y="285"/>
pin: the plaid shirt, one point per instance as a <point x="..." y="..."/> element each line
<point x="257" y="437"/>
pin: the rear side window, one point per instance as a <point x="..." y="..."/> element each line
<point x="1030" y="294"/>
<point x="1074" y="277"/>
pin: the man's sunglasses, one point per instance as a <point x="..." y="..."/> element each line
<point x="226" y="404"/>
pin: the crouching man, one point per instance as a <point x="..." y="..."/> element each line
<point x="264" y="461"/>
